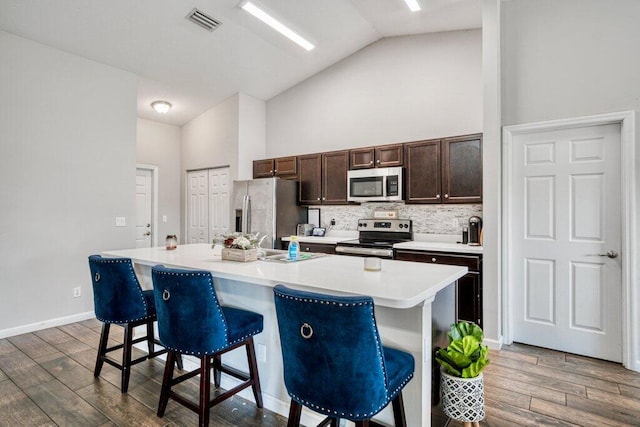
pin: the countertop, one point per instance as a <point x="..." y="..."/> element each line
<point x="439" y="247"/>
<point x="400" y="284"/>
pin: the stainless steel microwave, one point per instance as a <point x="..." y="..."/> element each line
<point x="376" y="184"/>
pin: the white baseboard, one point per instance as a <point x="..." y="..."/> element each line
<point x="51" y="323"/>
<point x="494" y="344"/>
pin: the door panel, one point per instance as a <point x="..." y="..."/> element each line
<point x="565" y="206"/>
<point x="219" y="202"/>
<point x="143" y="208"/>
<point x="198" y="207"/>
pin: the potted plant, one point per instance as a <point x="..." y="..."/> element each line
<point x="462" y="364"/>
<point x="239" y="246"/>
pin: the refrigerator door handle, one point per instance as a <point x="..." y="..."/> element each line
<point x="246" y="214"/>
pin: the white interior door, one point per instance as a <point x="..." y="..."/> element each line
<point x="144" y="203"/>
<point x="197" y="207"/>
<point x="219" y="201"/>
<point x="564" y="217"/>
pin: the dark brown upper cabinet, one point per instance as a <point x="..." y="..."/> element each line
<point x="462" y="169"/>
<point x="323" y="178"/>
<point x="444" y="170"/>
<point x="382" y="156"/>
<point x="422" y="176"/>
<point x="282" y="166"/>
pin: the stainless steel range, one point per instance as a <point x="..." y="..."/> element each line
<point x="376" y="237"/>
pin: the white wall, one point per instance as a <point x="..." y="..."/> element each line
<point x="395" y="90"/>
<point x="251" y="134"/>
<point x="584" y="62"/>
<point x="158" y="144"/>
<point x="67" y="156"/>
<point x="211" y="139"/>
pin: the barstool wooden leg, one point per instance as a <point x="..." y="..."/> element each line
<point x="363" y="423"/>
<point x="166" y="383"/>
<point x="399" y="417"/>
<point x="205" y="391"/>
<point x="150" y="338"/>
<point x="217" y="373"/>
<point x="295" y="410"/>
<point x="126" y="357"/>
<point x="253" y="372"/>
<point x="104" y="339"/>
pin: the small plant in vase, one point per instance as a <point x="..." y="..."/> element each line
<point x="462" y="364"/>
<point x="239" y="246"/>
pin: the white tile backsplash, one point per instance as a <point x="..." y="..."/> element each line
<point x="427" y="219"/>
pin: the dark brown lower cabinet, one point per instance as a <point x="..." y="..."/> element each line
<point x="469" y="286"/>
<point x="324" y="248"/>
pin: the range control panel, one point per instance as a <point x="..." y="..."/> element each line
<point x="393" y="225"/>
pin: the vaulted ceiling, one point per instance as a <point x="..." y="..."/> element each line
<point x="195" y="69"/>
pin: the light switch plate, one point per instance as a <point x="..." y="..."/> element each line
<point x="121" y="221"/>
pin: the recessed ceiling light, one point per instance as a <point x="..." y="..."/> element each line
<point x="414" y="5"/>
<point x="276" y="25"/>
<point x="161" y="107"/>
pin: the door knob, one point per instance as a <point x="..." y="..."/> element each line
<point x="610" y="254"/>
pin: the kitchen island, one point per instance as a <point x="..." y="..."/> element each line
<point x="414" y="303"/>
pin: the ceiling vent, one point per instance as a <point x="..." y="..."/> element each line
<point x="205" y="21"/>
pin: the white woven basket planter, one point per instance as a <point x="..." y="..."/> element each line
<point x="463" y="398"/>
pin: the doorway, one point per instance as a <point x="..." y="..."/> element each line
<point x="567" y="221"/>
<point x="146" y="206"/>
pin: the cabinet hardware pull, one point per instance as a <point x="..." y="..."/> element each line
<point x="437" y="196"/>
<point x="433" y="260"/>
<point x="446" y="196"/>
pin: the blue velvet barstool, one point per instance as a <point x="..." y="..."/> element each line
<point x="119" y="299"/>
<point x="334" y="361"/>
<point x="192" y="321"/>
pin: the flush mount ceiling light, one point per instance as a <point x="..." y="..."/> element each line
<point x="161" y="107"/>
<point x="276" y="25"/>
<point x="414" y="5"/>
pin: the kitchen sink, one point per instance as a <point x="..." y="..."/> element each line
<point x="274" y="255"/>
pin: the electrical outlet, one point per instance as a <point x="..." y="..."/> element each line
<point x="164" y="218"/>
<point x="455" y="222"/>
<point x="261" y="353"/>
<point x="121" y="221"/>
<point x="77" y="292"/>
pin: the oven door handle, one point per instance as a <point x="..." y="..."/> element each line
<point x="364" y="251"/>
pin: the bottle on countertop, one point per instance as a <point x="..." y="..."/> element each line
<point x="294" y="247"/>
<point x="465" y="235"/>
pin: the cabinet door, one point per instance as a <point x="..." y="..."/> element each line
<point x="310" y="177"/>
<point x="362" y="158"/>
<point x="468" y="298"/>
<point x="334" y="177"/>
<point x="462" y="169"/>
<point x="285" y="166"/>
<point x="263" y="168"/>
<point x="422" y="179"/>
<point x="389" y="156"/>
<point x="318" y="247"/>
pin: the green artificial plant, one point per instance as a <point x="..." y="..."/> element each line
<point x="465" y="356"/>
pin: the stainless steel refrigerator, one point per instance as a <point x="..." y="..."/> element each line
<point x="268" y="206"/>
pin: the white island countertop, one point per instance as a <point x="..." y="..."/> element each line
<point x="399" y="284"/>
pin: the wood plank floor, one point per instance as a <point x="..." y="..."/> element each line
<point x="46" y="379"/>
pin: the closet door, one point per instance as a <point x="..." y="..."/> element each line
<point x="219" y="202"/>
<point x="198" y="207"/>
